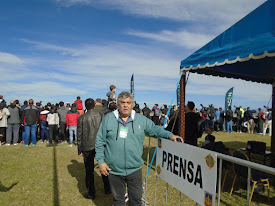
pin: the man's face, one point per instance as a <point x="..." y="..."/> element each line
<point x="125" y="106"/>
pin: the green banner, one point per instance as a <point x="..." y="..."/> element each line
<point x="132" y="89"/>
<point x="228" y="99"/>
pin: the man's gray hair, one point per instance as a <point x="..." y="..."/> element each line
<point x="125" y="95"/>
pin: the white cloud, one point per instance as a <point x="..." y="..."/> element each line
<point x="8" y="58"/>
<point x="189" y="40"/>
<point x="226" y="11"/>
<point x="205" y="84"/>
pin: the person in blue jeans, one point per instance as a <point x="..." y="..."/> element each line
<point x="44" y="124"/>
<point x="30" y="119"/>
<point x="228" y="118"/>
<point x="71" y="121"/>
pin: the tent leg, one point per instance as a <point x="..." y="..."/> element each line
<point x="182" y="106"/>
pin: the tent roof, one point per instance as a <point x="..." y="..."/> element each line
<point x="246" y="50"/>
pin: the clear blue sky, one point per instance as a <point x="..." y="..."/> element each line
<point x="53" y="50"/>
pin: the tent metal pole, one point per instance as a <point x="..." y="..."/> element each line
<point x="182" y="105"/>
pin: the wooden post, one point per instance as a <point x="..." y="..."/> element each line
<point x="182" y="106"/>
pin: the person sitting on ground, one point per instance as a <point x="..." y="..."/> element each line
<point x="111" y="94"/>
<point x="210" y="138"/>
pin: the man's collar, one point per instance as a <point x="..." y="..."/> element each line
<point x="117" y="115"/>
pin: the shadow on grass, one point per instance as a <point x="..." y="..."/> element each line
<point x="56" y="201"/>
<point x="77" y="170"/>
<point x="6" y="189"/>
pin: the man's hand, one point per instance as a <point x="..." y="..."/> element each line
<point x="104" y="169"/>
<point x="176" y="138"/>
<point x="81" y="154"/>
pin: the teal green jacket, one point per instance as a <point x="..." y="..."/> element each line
<point x="124" y="155"/>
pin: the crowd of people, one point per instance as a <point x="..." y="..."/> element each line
<point x="58" y="122"/>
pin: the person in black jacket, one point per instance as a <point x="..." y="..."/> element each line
<point x="228" y="118"/>
<point x="30" y="119"/>
<point x="87" y="127"/>
<point x="191" y="125"/>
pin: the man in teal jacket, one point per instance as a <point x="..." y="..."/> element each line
<point x="119" y="147"/>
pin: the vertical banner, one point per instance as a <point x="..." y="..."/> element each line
<point x="132" y="89"/>
<point x="228" y="99"/>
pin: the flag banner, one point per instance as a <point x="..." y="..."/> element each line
<point x="228" y="99"/>
<point x="191" y="170"/>
<point x="132" y="89"/>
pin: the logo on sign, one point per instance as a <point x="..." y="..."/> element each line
<point x="159" y="142"/>
<point x="208" y="199"/>
<point x="158" y="169"/>
<point x="210" y="161"/>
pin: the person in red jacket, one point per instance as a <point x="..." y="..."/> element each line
<point x="78" y="101"/>
<point x="71" y="121"/>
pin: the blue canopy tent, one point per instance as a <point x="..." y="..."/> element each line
<point x="244" y="51"/>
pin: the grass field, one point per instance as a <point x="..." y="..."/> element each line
<point x="55" y="175"/>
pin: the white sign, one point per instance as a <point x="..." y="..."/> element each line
<point x="191" y="170"/>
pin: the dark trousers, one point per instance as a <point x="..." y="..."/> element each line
<point x="156" y="120"/>
<point x="62" y="132"/>
<point x="261" y="124"/>
<point x="53" y="133"/>
<point x="88" y="157"/>
<point x="13" y="131"/>
<point x="134" y="186"/>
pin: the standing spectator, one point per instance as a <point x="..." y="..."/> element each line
<point x="30" y="119"/>
<point x="238" y="119"/>
<point x="44" y="124"/>
<point x="4" y="113"/>
<point x="164" y="109"/>
<point x="78" y="101"/>
<point x="22" y="126"/>
<point x="62" y="112"/>
<point x="13" y="123"/>
<point x="260" y="120"/>
<point x="53" y="124"/>
<point x="217" y="120"/>
<point x="156" y="111"/>
<point x="191" y="125"/>
<point x="221" y="119"/>
<point x="228" y="118"/>
<point x="146" y="111"/>
<point x="136" y="108"/>
<point x="87" y="127"/>
<point x="112" y="107"/>
<point x="119" y="148"/>
<point x="98" y="105"/>
<point x="268" y="121"/>
<point x="111" y="94"/>
<point x="105" y="106"/>
<point x="17" y="103"/>
<point x="71" y="120"/>
<point x="250" y="120"/>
